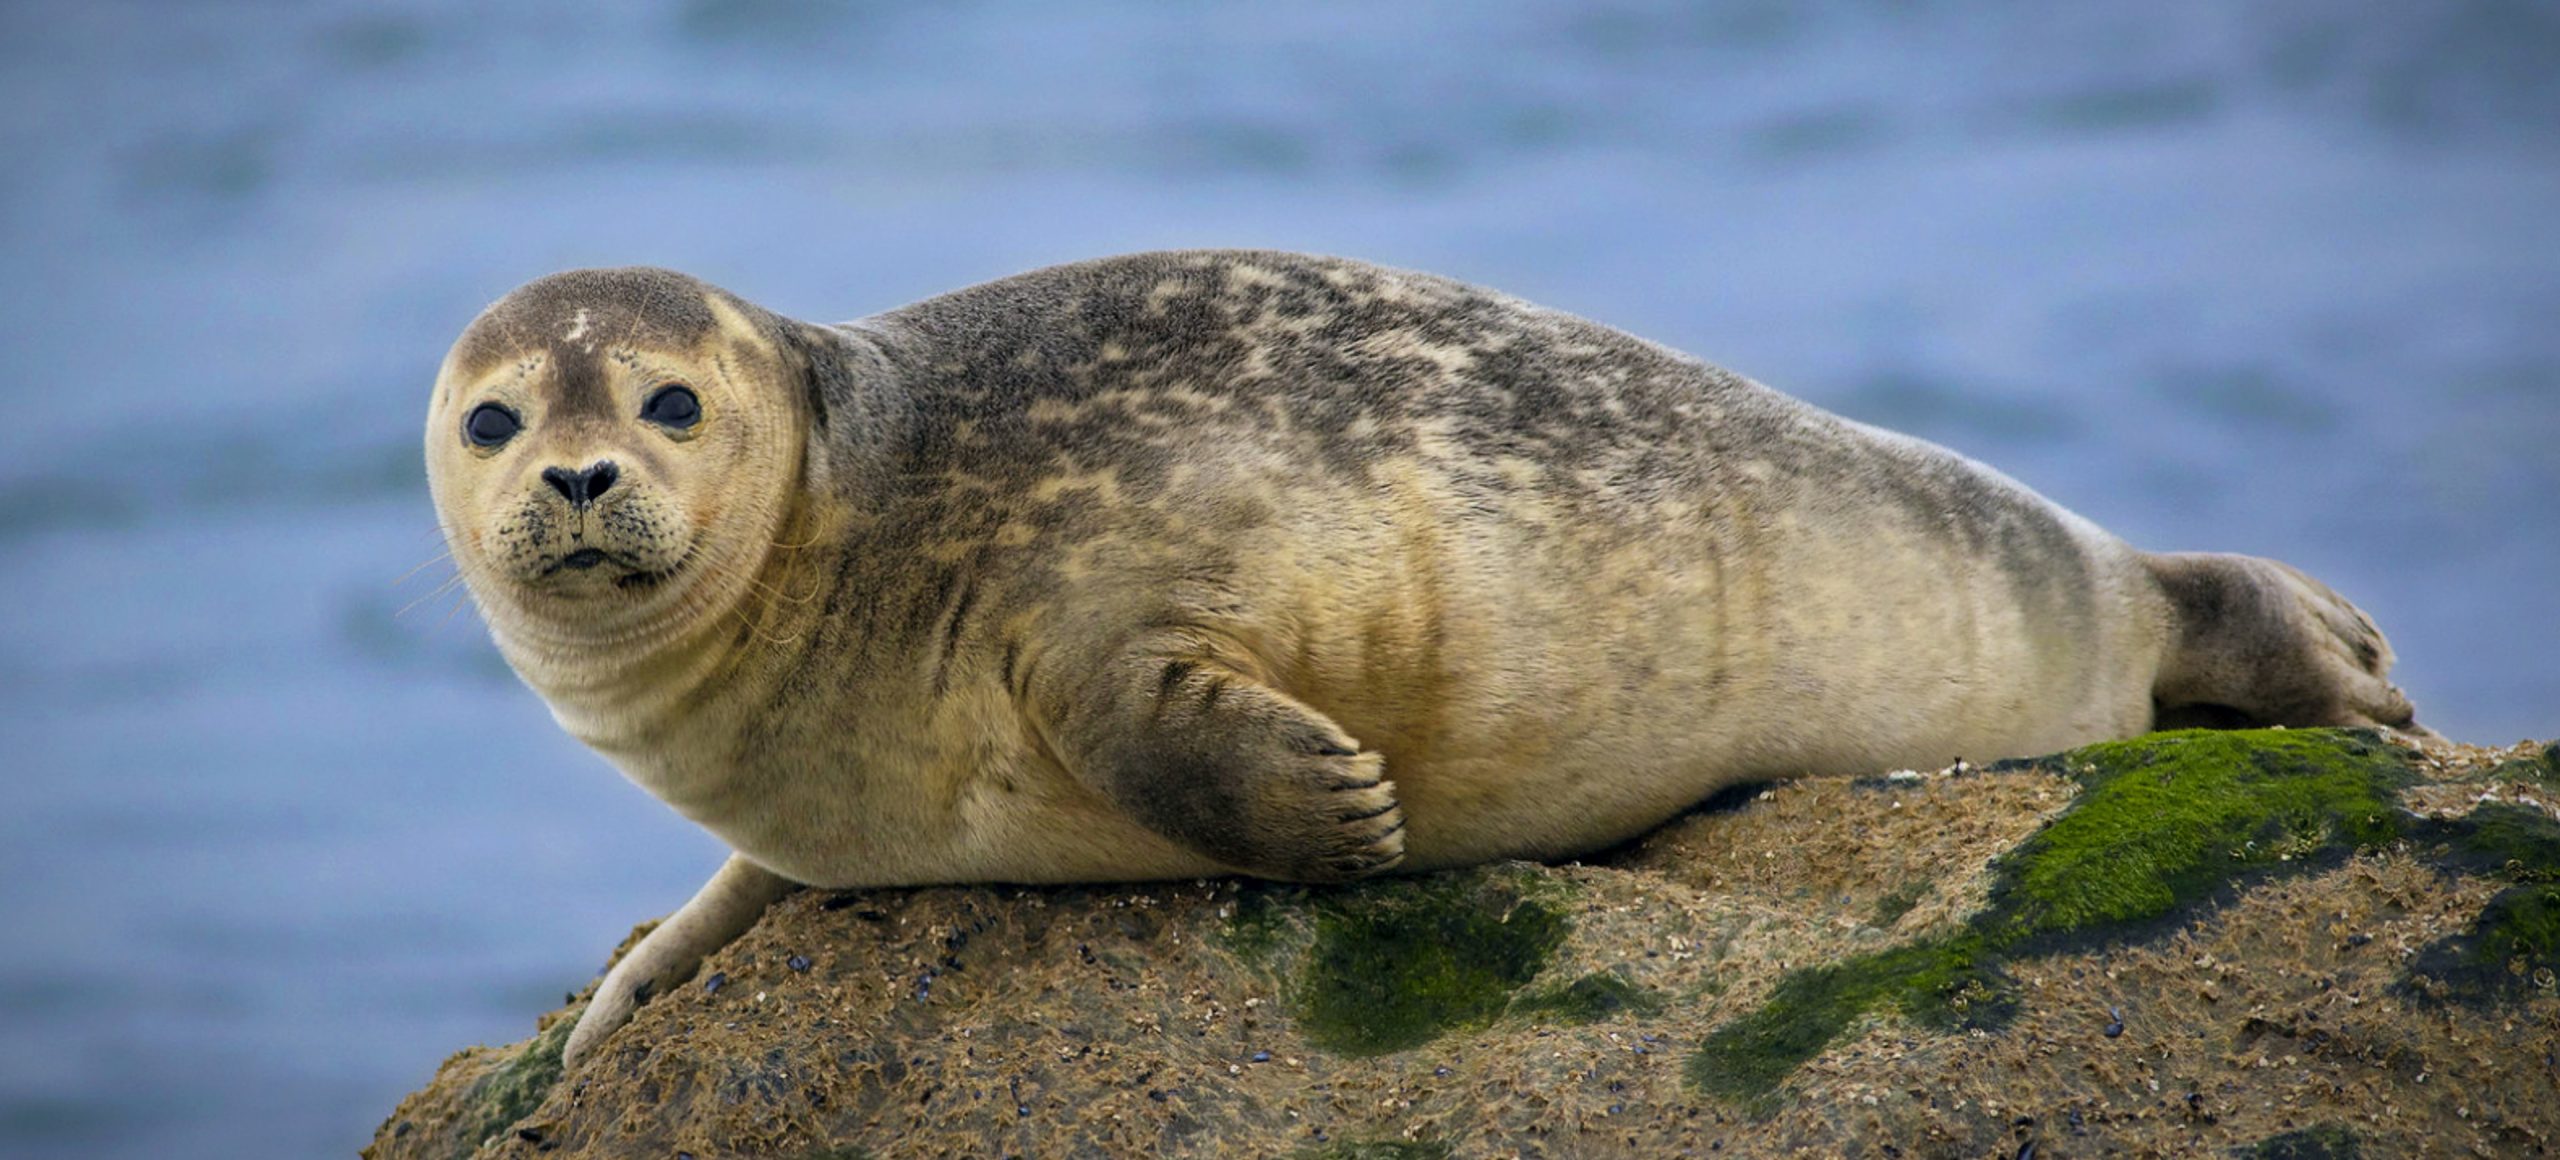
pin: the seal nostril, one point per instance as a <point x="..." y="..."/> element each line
<point x="581" y="488"/>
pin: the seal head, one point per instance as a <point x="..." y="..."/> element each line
<point x="611" y="455"/>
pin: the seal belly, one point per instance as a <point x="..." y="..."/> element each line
<point x="1551" y="674"/>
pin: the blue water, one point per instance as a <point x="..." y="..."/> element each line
<point x="2281" y="277"/>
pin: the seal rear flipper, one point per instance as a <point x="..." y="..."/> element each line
<point x="2258" y="643"/>
<point x="1206" y="755"/>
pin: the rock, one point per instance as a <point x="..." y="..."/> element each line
<point x="2270" y="943"/>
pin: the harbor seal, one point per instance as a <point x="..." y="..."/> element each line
<point x="1198" y="563"/>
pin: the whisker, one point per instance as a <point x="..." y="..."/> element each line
<point x="769" y="595"/>
<point x="439" y="590"/>
<point x="775" y="593"/>
<point x="439" y="557"/>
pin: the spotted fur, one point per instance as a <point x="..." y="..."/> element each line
<point x="1196" y="562"/>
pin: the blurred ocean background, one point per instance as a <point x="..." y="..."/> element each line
<point x="2280" y="277"/>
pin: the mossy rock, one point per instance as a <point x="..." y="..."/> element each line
<point x="1258" y="921"/>
<point x="2511" y="951"/>
<point x="2167" y="822"/>
<point x="2164" y="825"/>
<point x="503" y="1088"/>
<point x="511" y="1092"/>
<point x="2497" y="838"/>
<point x="1938" y="982"/>
<point x="1589" y="999"/>
<point x="1396" y="965"/>
<point x="1667" y="999"/>
<point x="2542" y="766"/>
<point x="2318" y="1142"/>
<point x="1896" y="903"/>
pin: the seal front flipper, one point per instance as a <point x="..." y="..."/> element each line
<point x="723" y="909"/>
<point x="1207" y="755"/>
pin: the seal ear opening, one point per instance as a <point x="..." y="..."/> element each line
<point x="857" y="407"/>
<point x="820" y="357"/>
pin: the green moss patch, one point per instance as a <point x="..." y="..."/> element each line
<point x="2511" y="950"/>
<point x="2543" y="767"/>
<point x="2164" y="825"/>
<point x="1749" y="1057"/>
<point x="2318" y="1142"/>
<point x="1259" y="919"/>
<point x="512" y="1090"/>
<point x="2168" y="821"/>
<point x="2496" y="838"/>
<point x="1891" y="907"/>
<point x="1589" y="999"/>
<point x="1395" y="965"/>
<point x="1947" y="983"/>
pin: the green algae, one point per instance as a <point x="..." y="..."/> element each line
<point x="2497" y="838"/>
<point x="513" y="1089"/>
<point x="1589" y="999"/>
<point x="1396" y="964"/>
<point x="2164" y="825"/>
<point x="2519" y="933"/>
<point x="1947" y="983"/>
<point x="2511" y="950"/>
<point x="2317" y="1142"/>
<point x="2168" y="821"/>
<point x="1749" y="1057"/>
<point x="1259" y="920"/>
<point x="1890" y="908"/>
<point x="2542" y="767"/>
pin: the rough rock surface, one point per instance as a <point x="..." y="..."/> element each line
<point x="2305" y="943"/>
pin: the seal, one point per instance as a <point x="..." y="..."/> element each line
<point x="1196" y="563"/>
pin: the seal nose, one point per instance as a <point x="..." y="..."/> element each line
<point x="581" y="488"/>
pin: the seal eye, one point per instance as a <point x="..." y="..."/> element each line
<point x="490" y="425"/>
<point x="673" y="406"/>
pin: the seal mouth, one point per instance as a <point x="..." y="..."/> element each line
<point x="577" y="561"/>
<point x="637" y="579"/>
<point x="634" y="573"/>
